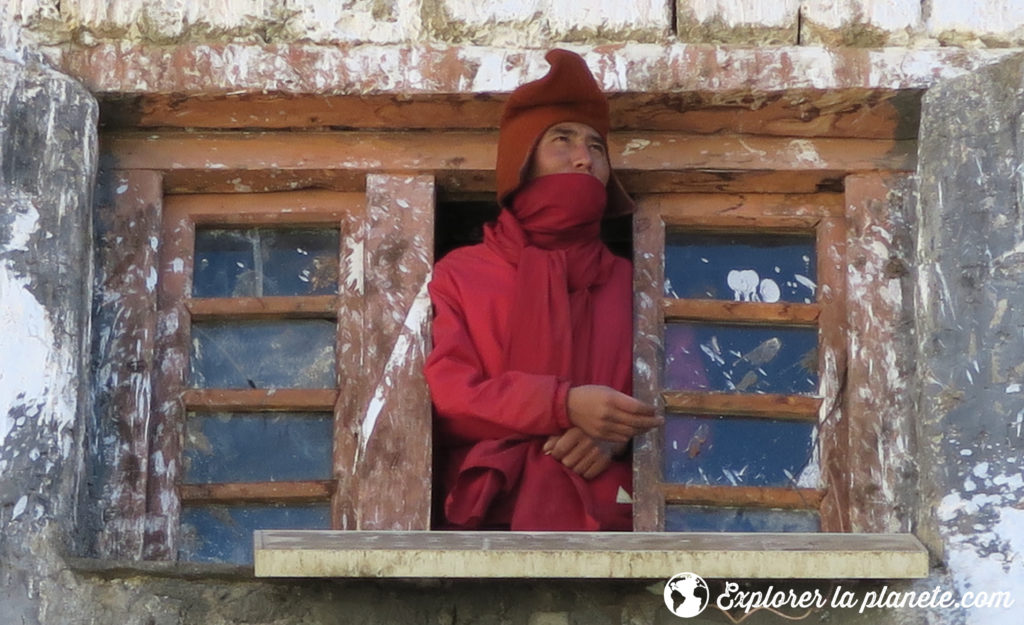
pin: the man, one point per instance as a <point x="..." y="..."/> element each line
<point x="531" y="369"/>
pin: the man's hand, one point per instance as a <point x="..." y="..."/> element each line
<point x="582" y="454"/>
<point x="602" y="412"/>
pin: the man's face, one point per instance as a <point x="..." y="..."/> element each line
<point x="571" y="147"/>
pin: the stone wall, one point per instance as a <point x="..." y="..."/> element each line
<point x="528" y="23"/>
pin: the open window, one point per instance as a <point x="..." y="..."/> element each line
<point x="730" y="355"/>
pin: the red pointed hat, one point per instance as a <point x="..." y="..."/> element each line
<point x="568" y="93"/>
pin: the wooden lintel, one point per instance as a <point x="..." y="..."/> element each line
<point x="761" y="211"/>
<point x="429" y="152"/>
<point x="309" y="307"/>
<point x="483" y="181"/>
<point x="761" y="497"/>
<point x="310" y="207"/>
<point x="613" y="555"/>
<point x="854" y="112"/>
<point x="238" y="492"/>
<point x="787" y="407"/>
<point x="209" y="400"/>
<point x="741" y="312"/>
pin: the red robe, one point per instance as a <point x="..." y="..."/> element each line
<point x="540" y="306"/>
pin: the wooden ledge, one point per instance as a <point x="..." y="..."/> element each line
<point x="325" y="553"/>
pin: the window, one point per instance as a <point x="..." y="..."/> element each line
<point x="253" y="282"/>
<point x="174" y="200"/>
<point x="282" y="335"/>
<point x="740" y="312"/>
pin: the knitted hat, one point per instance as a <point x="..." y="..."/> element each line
<point x="568" y="93"/>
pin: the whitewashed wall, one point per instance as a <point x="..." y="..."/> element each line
<point x="526" y="23"/>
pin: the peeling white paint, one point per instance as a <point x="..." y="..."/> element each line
<point x="984" y="535"/>
<point x="35" y="378"/>
<point x="408" y="342"/>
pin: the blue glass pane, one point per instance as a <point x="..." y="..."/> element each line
<point x="708" y="519"/>
<point x="259" y="262"/>
<point x="224" y="533"/>
<point x="263" y="354"/>
<point x="744" y="359"/>
<point x="736" y="451"/>
<point x="261" y="447"/>
<point x="760" y="268"/>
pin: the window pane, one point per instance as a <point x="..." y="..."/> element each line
<point x="263" y="354"/>
<point x="709" y="519"/>
<point x="259" y="262"/>
<point x="261" y="447"/>
<point x="760" y="268"/>
<point x="743" y="359"/>
<point x="737" y="451"/>
<point x="224" y="533"/>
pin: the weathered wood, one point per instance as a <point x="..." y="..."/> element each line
<point x="285" y="399"/>
<point x="755" y="211"/>
<point x="240" y="492"/>
<point x="482" y="180"/>
<point x="166" y="428"/>
<point x="786" y="407"/>
<point x="394" y="455"/>
<point x="475" y="150"/>
<point x="302" y="307"/>
<point x="648" y="360"/>
<point x="741" y="312"/>
<point x="299" y="208"/>
<point x="866" y="113"/>
<point x="127" y="223"/>
<point x="878" y="401"/>
<point x="622" y="555"/>
<point x="833" y="421"/>
<point x="761" y="497"/>
<point x="351" y="367"/>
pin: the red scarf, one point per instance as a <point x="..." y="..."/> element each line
<point x="551" y="235"/>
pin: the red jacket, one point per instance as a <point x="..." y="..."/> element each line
<point x="493" y="413"/>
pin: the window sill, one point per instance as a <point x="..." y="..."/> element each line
<point x="323" y="553"/>
<point x="114" y="569"/>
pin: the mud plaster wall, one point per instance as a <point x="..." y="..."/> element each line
<point x="971" y="326"/>
<point x="47" y="165"/>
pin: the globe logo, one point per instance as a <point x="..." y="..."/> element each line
<point x="686" y="595"/>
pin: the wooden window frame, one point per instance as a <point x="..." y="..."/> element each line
<point x="155" y="165"/>
<point x="820" y="215"/>
<point x="174" y="399"/>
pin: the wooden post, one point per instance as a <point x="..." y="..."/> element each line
<point x="879" y="402"/>
<point x="648" y="357"/>
<point x="127" y="218"/>
<point x="393" y="458"/>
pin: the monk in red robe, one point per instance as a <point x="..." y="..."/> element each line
<point x="531" y="371"/>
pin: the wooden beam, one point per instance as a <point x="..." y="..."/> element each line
<point x="307" y="307"/>
<point x="240" y="492"/>
<point x="483" y="181"/>
<point x="615" y="555"/>
<point x="475" y="150"/>
<point x="761" y="497"/>
<point x="786" y="407"/>
<point x="798" y="212"/>
<point x="856" y="112"/>
<point x="285" y="399"/>
<point x="305" y="208"/>
<point x="740" y="312"/>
